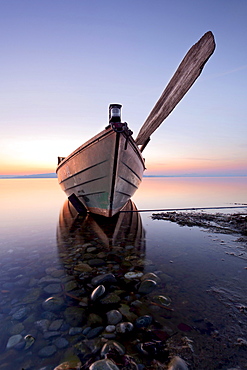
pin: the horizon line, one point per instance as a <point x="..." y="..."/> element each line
<point x="54" y="175"/>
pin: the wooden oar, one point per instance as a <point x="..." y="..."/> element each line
<point x="184" y="77"/>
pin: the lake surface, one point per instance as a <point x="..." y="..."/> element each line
<point x="198" y="305"/>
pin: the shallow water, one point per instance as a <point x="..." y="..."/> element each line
<point x="202" y="273"/>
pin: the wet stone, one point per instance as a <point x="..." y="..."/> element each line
<point x="177" y="363"/>
<point x="94" y="332"/>
<point x="150" y="276"/>
<point x="70" y="285"/>
<point x="103" y="365"/>
<point x="103" y="279"/>
<point x="112" y="345"/>
<point x="143" y="321"/>
<point x="53" y="288"/>
<point x="86" y="330"/>
<point x="147" y="286"/>
<point x="20" y="346"/>
<point x="49" y="280"/>
<point x="20" y="314"/>
<point x="47" y="351"/>
<point x="57" y="273"/>
<point x="98" y="292"/>
<point x="94" y="319"/>
<point x="75" y="316"/>
<point x="136" y="303"/>
<point x="110" y="328"/>
<point x="124" y="327"/>
<point x="162" y="300"/>
<point x="32" y="296"/>
<point x="114" y="317"/>
<point x="133" y="275"/>
<point x="29" y="341"/>
<point x="109" y="335"/>
<point x="13" y="340"/>
<point x="16" y="329"/>
<point x="95" y="262"/>
<point x="42" y="325"/>
<point x="83" y="267"/>
<point x="56" y="325"/>
<point x="61" y="343"/>
<point x="111" y="298"/>
<point x="51" y="334"/>
<point x="101" y="255"/>
<point x="75" y="330"/>
<point x="91" y="249"/>
<point x="53" y="304"/>
<point x="125" y="311"/>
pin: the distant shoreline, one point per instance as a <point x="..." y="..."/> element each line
<point x="54" y="175"/>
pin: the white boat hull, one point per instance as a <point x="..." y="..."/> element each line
<point x="104" y="173"/>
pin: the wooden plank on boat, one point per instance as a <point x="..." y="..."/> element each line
<point x="184" y="77"/>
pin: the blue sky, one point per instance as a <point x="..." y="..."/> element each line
<point x="63" y="63"/>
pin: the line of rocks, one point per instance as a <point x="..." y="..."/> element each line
<point x="92" y="315"/>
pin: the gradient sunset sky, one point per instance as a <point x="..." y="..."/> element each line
<point x="64" y="61"/>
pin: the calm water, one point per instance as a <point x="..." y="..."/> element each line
<point x="202" y="273"/>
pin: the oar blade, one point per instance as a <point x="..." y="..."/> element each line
<point x="187" y="72"/>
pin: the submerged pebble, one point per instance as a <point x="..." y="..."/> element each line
<point x="47" y="351"/>
<point x="13" y="340"/>
<point x="114" y="317"/>
<point x="177" y="363"/>
<point x="143" y="321"/>
<point x="53" y="288"/>
<point x="124" y="327"/>
<point x="97" y="292"/>
<point x="147" y="286"/>
<point x="103" y="365"/>
<point x="20" y="314"/>
<point x="162" y="300"/>
<point x="133" y="275"/>
<point x="110" y="328"/>
<point x="56" y="325"/>
<point x="112" y="345"/>
<point x="53" y="304"/>
<point x="110" y="298"/>
<point x="75" y="316"/>
<point x="42" y="325"/>
<point x="29" y="339"/>
<point x="61" y="343"/>
<point x="94" y="332"/>
<point x="103" y="279"/>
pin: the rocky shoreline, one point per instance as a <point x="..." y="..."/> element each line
<point x="219" y="222"/>
<point x="92" y="318"/>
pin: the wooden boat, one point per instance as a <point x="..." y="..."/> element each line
<point x="104" y="173"/>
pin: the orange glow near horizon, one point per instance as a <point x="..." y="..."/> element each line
<point x="171" y="168"/>
<point x="28" y="157"/>
<point x="19" y="168"/>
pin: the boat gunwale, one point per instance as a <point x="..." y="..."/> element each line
<point x="97" y="138"/>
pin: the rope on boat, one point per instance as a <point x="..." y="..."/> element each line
<point x="182" y="209"/>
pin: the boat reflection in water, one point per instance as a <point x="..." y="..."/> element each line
<point x="95" y="236"/>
